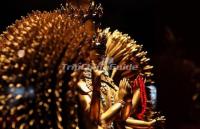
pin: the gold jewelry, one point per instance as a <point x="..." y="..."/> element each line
<point x="121" y="102"/>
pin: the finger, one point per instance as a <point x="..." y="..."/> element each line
<point x="122" y="80"/>
<point x="162" y="117"/>
<point x="124" y="83"/>
<point x="93" y="64"/>
<point x="127" y="82"/>
<point x="120" y="83"/>
<point x="127" y="87"/>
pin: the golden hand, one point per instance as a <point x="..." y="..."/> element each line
<point x="95" y="70"/>
<point x="96" y="77"/>
<point x="125" y="91"/>
<point x="158" y="120"/>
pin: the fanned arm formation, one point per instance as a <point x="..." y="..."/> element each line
<point x="36" y="91"/>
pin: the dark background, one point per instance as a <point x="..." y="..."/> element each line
<point x="169" y="30"/>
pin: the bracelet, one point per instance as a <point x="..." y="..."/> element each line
<point x="122" y="102"/>
<point x="129" y="101"/>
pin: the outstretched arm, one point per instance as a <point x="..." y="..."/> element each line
<point x="131" y="122"/>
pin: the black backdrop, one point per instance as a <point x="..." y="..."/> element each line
<point x="169" y="30"/>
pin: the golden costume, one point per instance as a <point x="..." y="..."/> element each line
<point x="37" y="91"/>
